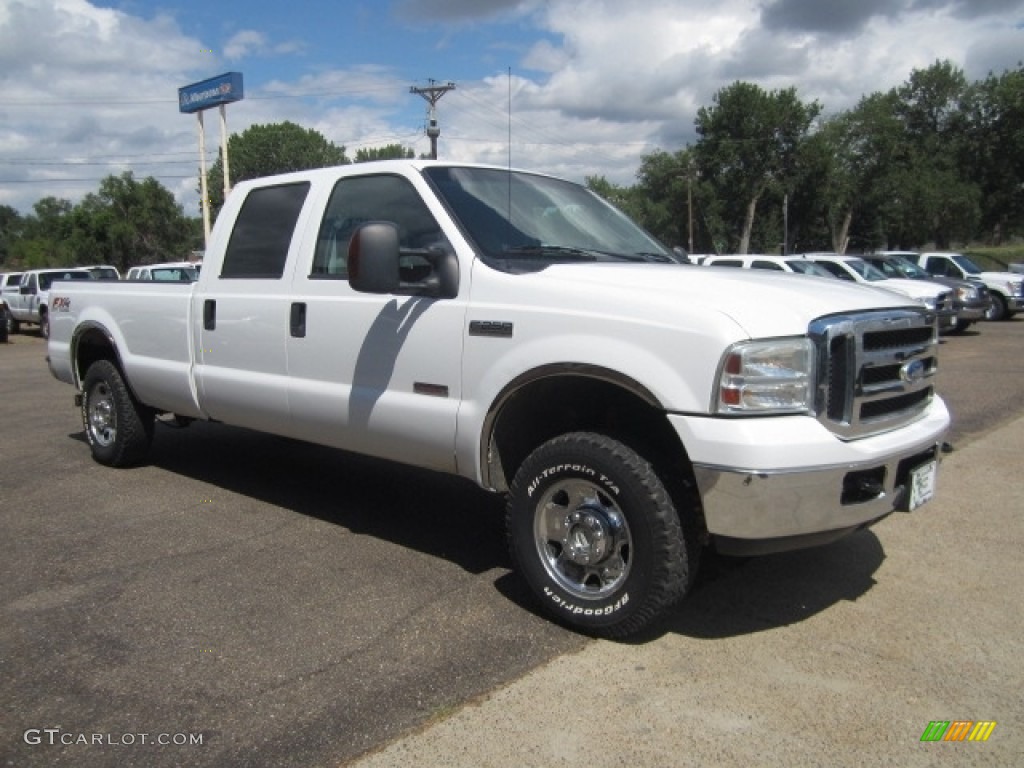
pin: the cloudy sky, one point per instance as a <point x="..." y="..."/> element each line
<point x="583" y="87"/>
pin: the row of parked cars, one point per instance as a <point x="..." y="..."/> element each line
<point x="952" y="285"/>
<point x="24" y="296"/>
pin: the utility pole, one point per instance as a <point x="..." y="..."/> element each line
<point x="433" y="94"/>
<point x="689" y="205"/>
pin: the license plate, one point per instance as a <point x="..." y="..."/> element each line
<point x="922" y="484"/>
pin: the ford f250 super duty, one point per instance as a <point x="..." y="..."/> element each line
<point x="515" y="329"/>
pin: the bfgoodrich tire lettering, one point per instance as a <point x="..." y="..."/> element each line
<point x="595" y="534"/>
<point x="119" y="429"/>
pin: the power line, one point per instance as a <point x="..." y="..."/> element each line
<point x="68" y="181"/>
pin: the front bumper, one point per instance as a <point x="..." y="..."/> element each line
<point x="946" y="319"/>
<point x="973" y="311"/>
<point x="773" y="484"/>
<point x="1015" y="303"/>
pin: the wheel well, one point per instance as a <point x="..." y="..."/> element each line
<point x="555" y="405"/>
<point x="91" y="345"/>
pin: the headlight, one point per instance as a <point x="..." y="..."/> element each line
<point x="759" y="377"/>
<point x="929" y="302"/>
<point x="966" y="293"/>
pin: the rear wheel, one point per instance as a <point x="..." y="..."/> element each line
<point x="44" y="325"/>
<point x="594" y="532"/>
<point x="119" y="428"/>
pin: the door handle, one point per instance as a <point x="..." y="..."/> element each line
<point x="209" y="315"/>
<point x="298" y="320"/>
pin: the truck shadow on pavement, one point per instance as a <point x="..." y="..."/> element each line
<point x="734" y="596"/>
<point x="741" y="596"/>
<point x="430" y="512"/>
<point x="450" y="518"/>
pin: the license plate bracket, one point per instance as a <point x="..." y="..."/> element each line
<point x="921" y="484"/>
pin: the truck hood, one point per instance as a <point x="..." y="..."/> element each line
<point x="1000" y="277"/>
<point x="763" y="304"/>
<point x="915" y="289"/>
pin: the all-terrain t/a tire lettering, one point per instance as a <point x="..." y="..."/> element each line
<point x="595" y="533"/>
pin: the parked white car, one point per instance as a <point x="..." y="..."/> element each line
<point x="171" y="272"/>
<point x="853" y="269"/>
<point x="793" y="264"/>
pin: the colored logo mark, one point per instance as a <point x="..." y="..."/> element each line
<point x="958" y="730"/>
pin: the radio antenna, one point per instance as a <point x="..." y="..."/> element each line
<point x="510" y="117"/>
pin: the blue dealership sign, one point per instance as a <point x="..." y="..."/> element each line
<point x="222" y="89"/>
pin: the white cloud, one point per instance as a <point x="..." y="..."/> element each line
<point x="243" y="44"/>
<point x="599" y="84"/>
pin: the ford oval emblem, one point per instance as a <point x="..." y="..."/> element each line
<point x="912" y="371"/>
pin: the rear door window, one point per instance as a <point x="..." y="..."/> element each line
<point x="258" y="248"/>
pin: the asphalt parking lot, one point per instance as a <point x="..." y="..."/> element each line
<point x="286" y="605"/>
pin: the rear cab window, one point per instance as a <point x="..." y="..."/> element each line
<point x="262" y="235"/>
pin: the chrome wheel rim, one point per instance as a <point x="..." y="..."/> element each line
<point x="100" y="416"/>
<point x="582" y="539"/>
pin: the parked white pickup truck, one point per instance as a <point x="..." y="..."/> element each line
<point x="515" y="329"/>
<point x="30" y="301"/>
<point x="1005" y="288"/>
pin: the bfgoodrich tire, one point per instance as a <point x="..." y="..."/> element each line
<point x="119" y="429"/>
<point x="595" y="534"/>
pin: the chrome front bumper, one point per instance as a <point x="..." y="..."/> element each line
<point x="784" y="484"/>
<point x="761" y="512"/>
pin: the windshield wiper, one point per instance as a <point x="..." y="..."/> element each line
<point x="562" y="251"/>
<point x="574" y="253"/>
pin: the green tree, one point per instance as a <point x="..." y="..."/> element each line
<point x="748" y="143"/>
<point x="11" y="226"/>
<point x="129" y="222"/>
<point x="939" y="202"/>
<point x="993" y="155"/>
<point x="390" y="152"/>
<point x="265" y="150"/>
<point x="42" y="241"/>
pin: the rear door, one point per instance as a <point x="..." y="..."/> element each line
<point x="242" y="313"/>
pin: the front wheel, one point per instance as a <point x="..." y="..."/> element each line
<point x="997" y="310"/>
<point x="596" y="536"/>
<point x="119" y="428"/>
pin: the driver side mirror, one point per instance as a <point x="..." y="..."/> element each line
<point x="378" y="264"/>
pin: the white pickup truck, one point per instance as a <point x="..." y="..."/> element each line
<point x="515" y="329"/>
<point x="1005" y="288"/>
<point x="29" y="301"/>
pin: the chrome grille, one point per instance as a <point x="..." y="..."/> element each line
<point x="876" y="370"/>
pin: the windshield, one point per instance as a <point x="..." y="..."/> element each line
<point x="524" y="222"/>
<point x="808" y="268"/>
<point x="865" y="270"/>
<point x="967" y="265"/>
<point x="906" y="268"/>
<point x="174" y="274"/>
<point x="46" y="278"/>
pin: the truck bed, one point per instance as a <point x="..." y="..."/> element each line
<point x="150" y="324"/>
